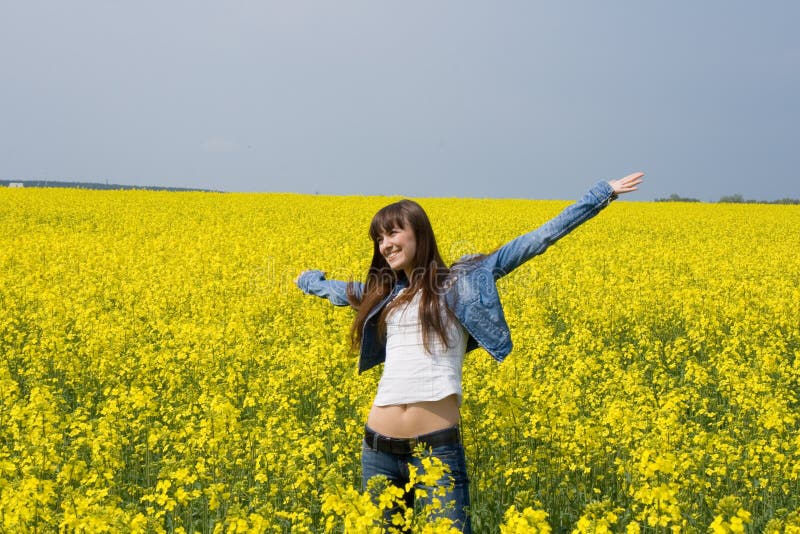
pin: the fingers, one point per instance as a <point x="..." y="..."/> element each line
<point x="632" y="180"/>
<point x="627" y="184"/>
<point x="297" y="278"/>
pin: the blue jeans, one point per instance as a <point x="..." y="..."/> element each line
<point x="395" y="468"/>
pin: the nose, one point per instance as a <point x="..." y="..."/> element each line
<point x="386" y="244"/>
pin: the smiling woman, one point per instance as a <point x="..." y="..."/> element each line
<point x="420" y="317"/>
<point x="398" y="246"/>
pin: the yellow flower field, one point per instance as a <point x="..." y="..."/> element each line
<point x="161" y="373"/>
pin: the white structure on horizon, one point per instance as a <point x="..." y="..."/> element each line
<point x="16" y="184"/>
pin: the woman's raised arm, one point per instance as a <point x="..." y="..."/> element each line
<point x="313" y="282"/>
<point x="518" y="251"/>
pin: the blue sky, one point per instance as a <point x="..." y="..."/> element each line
<point x="499" y="99"/>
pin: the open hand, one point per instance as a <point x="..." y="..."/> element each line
<point x="297" y="278"/>
<point x="627" y="184"/>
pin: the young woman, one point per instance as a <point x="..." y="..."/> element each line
<point x="419" y="318"/>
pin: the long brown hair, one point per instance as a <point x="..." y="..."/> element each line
<point x="428" y="276"/>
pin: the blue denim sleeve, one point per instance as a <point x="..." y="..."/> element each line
<point x="313" y="282"/>
<point x="518" y="251"/>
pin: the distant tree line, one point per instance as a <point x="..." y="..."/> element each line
<point x="677" y="198"/>
<point x="94" y="185"/>
<point x="730" y="199"/>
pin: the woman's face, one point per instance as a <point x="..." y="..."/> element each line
<point x="399" y="246"/>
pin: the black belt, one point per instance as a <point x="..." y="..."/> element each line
<point x="381" y="443"/>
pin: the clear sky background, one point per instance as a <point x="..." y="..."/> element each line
<point x="523" y="99"/>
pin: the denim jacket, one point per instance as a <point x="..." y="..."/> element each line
<point x="471" y="290"/>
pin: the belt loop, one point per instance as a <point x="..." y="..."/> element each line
<point x="374" y="440"/>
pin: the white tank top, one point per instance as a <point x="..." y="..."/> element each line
<point x="412" y="375"/>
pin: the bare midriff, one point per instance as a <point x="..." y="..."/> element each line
<point x="415" y="418"/>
